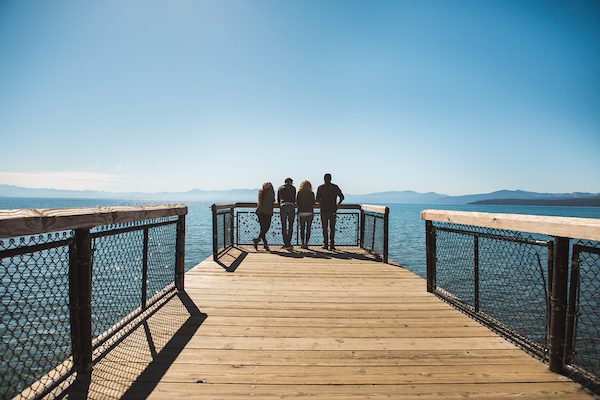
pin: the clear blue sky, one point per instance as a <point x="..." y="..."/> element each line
<point x="448" y="96"/>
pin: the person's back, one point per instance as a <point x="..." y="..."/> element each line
<point x="327" y="196"/>
<point x="286" y="197"/>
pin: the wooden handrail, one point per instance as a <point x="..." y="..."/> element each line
<point x="567" y="227"/>
<point x="35" y="221"/>
<point x="343" y="206"/>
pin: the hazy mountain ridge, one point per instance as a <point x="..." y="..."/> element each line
<point x="241" y="195"/>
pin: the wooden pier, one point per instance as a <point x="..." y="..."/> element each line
<point x="314" y="324"/>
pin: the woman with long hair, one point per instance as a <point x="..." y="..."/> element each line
<point x="305" y="199"/>
<point x="264" y="211"/>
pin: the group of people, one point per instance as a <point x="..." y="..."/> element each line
<point x="329" y="196"/>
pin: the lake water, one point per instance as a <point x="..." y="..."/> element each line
<point x="406" y="229"/>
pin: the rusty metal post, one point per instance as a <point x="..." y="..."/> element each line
<point x="430" y="255"/>
<point x="80" y="300"/>
<point x="180" y="254"/>
<point x="559" y="304"/>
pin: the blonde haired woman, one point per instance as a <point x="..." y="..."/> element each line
<point x="305" y="199"/>
<point x="264" y="211"/>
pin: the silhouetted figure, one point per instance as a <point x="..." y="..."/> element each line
<point x="286" y="197"/>
<point x="327" y="195"/>
<point x="306" y="203"/>
<point x="264" y="211"/>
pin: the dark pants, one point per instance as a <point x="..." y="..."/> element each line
<point x="265" y="224"/>
<point x="305" y="226"/>
<point x="328" y="222"/>
<point x="287" y="214"/>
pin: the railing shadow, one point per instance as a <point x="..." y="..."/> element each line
<point x="312" y="253"/>
<point x="232" y="258"/>
<point x="133" y="365"/>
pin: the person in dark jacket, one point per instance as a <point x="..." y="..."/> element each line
<point x="286" y="197"/>
<point x="264" y="211"/>
<point x="327" y="197"/>
<point x="305" y="199"/>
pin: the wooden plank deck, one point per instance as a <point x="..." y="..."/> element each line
<point x="315" y="325"/>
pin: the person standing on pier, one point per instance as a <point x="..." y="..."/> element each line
<point x="264" y="211"/>
<point x="286" y="197"/>
<point x="327" y="195"/>
<point x="306" y="203"/>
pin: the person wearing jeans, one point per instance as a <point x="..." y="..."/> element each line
<point x="306" y="203"/>
<point x="327" y="197"/>
<point x="286" y="197"/>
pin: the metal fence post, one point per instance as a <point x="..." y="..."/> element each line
<point x="232" y="227"/>
<point x="572" y="306"/>
<point x="476" y="272"/>
<point x="362" y="229"/>
<point x="214" y="232"/>
<point x="145" y="269"/>
<point x="559" y="304"/>
<point x="386" y="227"/>
<point x="80" y="300"/>
<point x="180" y="254"/>
<point x="430" y="255"/>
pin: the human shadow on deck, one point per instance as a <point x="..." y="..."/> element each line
<point x="134" y="365"/>
<point x="341" y="255"/>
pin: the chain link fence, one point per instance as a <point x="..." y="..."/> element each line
<point x="133" y="265"/>
<point x="583" y="327"/>
<point x="499" y="276"/>
<point x="347" y="231"/>
<point x="373" y="233"/>
<point x="35" y="327"/>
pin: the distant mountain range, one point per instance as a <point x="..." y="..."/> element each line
<point x="393" y="197"/>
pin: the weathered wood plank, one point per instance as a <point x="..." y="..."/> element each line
<point x="570" y="227"/>
<point x="34" y="221"/>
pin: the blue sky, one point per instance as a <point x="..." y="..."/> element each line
<point x="448" y="96"/>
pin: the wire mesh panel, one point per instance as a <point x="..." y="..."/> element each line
<point x="585" y="354"/>
<point x="118" y="268"/>
<point x="346" y="229"/>
<point x="374" y="232"/>
<point x="501" y="276"/>
<point x="224" y="219"/>
<point x="35" y="329"/>
<point x="161" y="258"/>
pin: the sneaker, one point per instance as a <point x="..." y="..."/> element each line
<point x="267" y="247"/>
<point x="255" y="241"/>
<point x="325" y="247"/>
<point x="332" y="247"/>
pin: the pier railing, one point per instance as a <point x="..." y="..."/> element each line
<point x="533" y="279"/>
<point x="72" y="279"/>
<point x="364" y="226"/>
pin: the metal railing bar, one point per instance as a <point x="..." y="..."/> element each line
<point x="18" y="251"/>
<point x="119" y="231"/>
<point x="535" y="242"/>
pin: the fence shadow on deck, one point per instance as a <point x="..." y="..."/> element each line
<point x="133" y="366"/>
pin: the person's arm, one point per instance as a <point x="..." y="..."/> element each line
<point x="278" y="195"/>
<point x="340" y="195"/>
<point x="319" y="194"/>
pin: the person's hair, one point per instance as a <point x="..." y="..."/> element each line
<point x="267" y="186"/>
<point x="327" y="177"/>
<point x="305" y="185"/>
